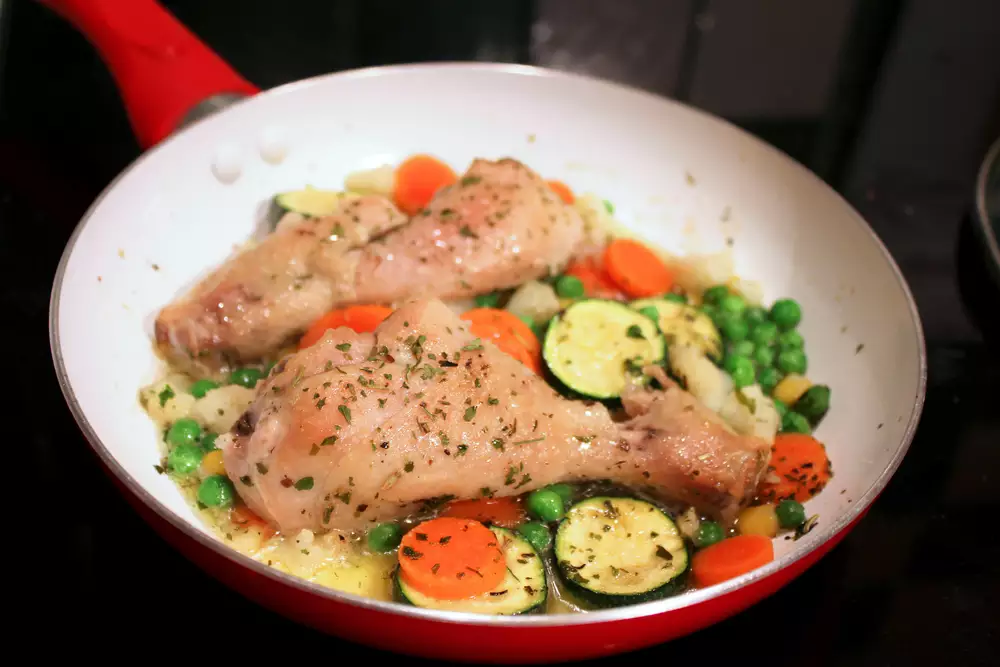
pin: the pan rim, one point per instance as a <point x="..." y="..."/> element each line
<point x="690" y="599"/>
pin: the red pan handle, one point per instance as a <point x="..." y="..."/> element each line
<point x="162" y="70"/>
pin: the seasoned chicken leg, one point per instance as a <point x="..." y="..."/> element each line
<point x="362" y="428"/>
<point x="497" y="227"/>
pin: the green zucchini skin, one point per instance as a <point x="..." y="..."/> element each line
<point x="584" y="589"/>
<point x="530" y="570"/>
<point x="577" y="340"/>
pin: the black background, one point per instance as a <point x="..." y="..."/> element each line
<point x="907" y="104"/>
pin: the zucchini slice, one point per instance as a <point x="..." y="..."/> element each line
<point x="616" y="551"/>
<point x="310" y="201"/>
<point x="682" y="324"/>
<point x="595" y="345"/>
<point x="523" y="590"/>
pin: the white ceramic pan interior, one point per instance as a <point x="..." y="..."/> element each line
<point x="681" y="178"/>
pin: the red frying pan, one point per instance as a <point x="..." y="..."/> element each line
<point x="668" y="168"/>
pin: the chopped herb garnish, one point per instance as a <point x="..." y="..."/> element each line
<point x="261" y="468"/>
<point x="411" y="553"/>
<point x="346" y="411"/>
<point x="467" y="232"/>
<point x="408" y="467"/>
<point x="528" y="442"/>
<point x="634" y="332"/>
<point x="343" y="347"/>
<point x="326" y="514"/>
<point x="469" y="180"/>
<point x="166" y="395"/>
<point x="486" y="491"/>
<point x="493" y="401"/>
<point x="304" y="484"/>
<point x="473" y="345"/>
<point x="314" y="450"/>
<point x="344" y="497"/>
<point x="461" y="450"/>
<point x="329" y="440"/>
<point x="470" y="413"/>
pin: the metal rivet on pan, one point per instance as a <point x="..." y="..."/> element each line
<point x="227" y="165"/>
<point x="273" y="144"/>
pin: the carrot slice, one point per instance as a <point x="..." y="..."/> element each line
<point x="596" y="282"/>
<point x="562" y="190"/>
<point x="504" y="512"/>
<point x="362" y="319"/>
<point x="636" y="269"/>
<point x="730" y="558"/>
<point x="332" y="320"/>
<point x="244" y="517"/>
<point x="508" y="332"/>
<point x="449" y="558"/>
<point x="417" y="179"/>
<point x="800" y="463"/>
<point x="365" y="319"/>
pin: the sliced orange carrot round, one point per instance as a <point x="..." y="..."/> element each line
<point x="365" y="319"/>
<point x="637" y="269"/>
<point x="596" y="282"/>
<point x="417" y="179"/>
<point x="332" y="320"/>
<point x="450" y="558"/>
<point x="563" y="190"/>
<point x="504" y="512"/>
<point x="801" y="466"/>
<point x="508" y="332"/>
<point x="730" y="558"/>
<point x="361" y="319"/>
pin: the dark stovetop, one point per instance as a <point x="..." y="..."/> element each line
<point x="905" y="107"/>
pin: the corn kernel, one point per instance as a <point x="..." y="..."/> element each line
<point x="759" y="520"/>
<point x="211" y="463"/>
<point x="791" y="388"/>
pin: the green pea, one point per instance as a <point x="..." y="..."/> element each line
<point x="385" y="537"/>
<point x="791" y="514"/>
<point x="743" y="348"/>
<point x="709" y="532"/>
<point x="791" y="339"/>
<point x="570" y="287"/>
<point x="754" y="315"/>
<point x="732" y="304"/>
<point x="216" y="491"/>
<point x="565" y="492"/>
<point x="764" y="333"/>
<point x="184" y="459"/>
<point x="740" y="368"/>
<point x="714" y="295"/>
<point x="793" y="422"/>
<point x="183" y="432"/>
<point x="786" y="313"/>
<point x="490" y="300"/>
<point x="734" y="329"/>
<point x="208" y="441"/>
<point x="650" y="312"/>
<point x="202" y="387"/>
<point x="537" y="534"/>
<point x="709" y="310"/>
<point x="546" y="505"/>
<point x="609" y="207"/>
<point x="246" y="377"/>
<point x="814" y="403"/>
<point x="792" y="361"/>
<point x="768" y="378"/>
<point x="764" y="356"/>
<point x="675" y="297"/>
<point x="780" y="406"/>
